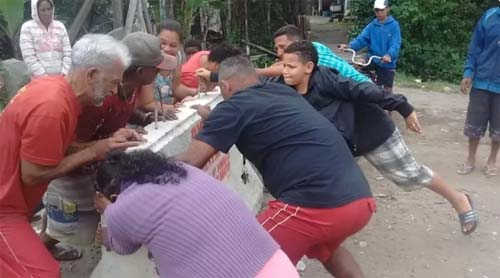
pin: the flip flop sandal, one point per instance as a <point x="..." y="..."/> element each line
<point x="469" y="217"/>
<point x="66" y="253"/>
<point x="490" y="171"/>
<point x="466" y="169"/>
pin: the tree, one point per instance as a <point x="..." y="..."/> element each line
<point x="12" y="12"/>
<point x="190" y="9"/>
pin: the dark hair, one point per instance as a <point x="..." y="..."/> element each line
<point x="140" y="167"/>
<point x="291" y="31"/>
<point x="193" y="43"/>
<point x="48" y="1"/>
<point x="170" y="25"/>
<point x="222" y="52"/>
<point x="305" y="50"/>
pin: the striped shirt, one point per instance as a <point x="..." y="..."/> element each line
<point x="197" y="228"/>
<point x="45" y="51"/>
<point x="328" y="59"/>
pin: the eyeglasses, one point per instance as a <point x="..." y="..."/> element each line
<point x="379" y="10"/>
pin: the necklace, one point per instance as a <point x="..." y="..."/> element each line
<point x="122" y="90"/>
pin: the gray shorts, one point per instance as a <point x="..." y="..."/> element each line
<point x="483" y="110"/>
<point x="69" y="205"/>
<point x="394" y="161"/>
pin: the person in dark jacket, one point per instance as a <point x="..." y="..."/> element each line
<point x="356" y="109"/>
<point x="481" y="71"/>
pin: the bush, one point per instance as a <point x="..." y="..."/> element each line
<point x="436" y="34"/>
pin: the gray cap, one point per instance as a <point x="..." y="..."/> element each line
<point x="145" y="51"/>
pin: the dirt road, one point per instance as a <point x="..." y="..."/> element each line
<point x="417" y="234"/>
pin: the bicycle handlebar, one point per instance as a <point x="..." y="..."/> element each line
<point x="359" y="63"/>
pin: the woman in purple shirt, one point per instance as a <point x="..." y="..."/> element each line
<point x="192" y="225"/>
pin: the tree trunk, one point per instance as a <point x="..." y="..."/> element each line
<point x="268" y="16"/>
<point x="169" y="8"/>
<point x="116" y="6"/>
<point x="81" y="17"/>
<point x="147" y="18"/>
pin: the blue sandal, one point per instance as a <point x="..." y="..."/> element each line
<point x="469" y="217"/>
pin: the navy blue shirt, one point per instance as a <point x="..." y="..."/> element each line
<point x="303" y="159"/>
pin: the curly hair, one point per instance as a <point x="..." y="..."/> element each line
<point x="121" y="169"/>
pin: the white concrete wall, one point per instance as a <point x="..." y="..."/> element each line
<point x="171" y="138"/>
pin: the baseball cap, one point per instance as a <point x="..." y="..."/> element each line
<point x="380" y="4"/>
<point x="145" y="51"/>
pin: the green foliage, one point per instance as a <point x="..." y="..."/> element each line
<point x="188" y="10"/>
<point x="436" y="34"/>
<point x="12" y="14"/>
<point x="264" y="61"/>
<point x="11" y="18"/>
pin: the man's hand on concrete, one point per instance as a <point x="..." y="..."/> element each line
<point x="102" y="147"/>
<point x="203" y="111"/>
<point x="203" y="73"/>
<point x="130" y="134"/>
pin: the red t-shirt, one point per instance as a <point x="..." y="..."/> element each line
<point x="188" y="76"/>
<point x="37" y="126"/>
<point x="101" y="122"/>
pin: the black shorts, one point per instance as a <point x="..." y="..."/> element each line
<point x="483" y="110"/>
<point x="385" y="77"/>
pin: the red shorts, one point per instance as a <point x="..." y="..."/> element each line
<point x="314" y="232"/>
<point x="22" y="253"/>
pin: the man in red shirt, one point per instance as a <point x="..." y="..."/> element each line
<point x="69" y="200"/>
<point x="37" y="126"/>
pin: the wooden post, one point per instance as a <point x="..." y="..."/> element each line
<point x="140" y="17"/>
<point x="147" y="18"/>
<point x="116" y="6"/>
<point x="81" y="17"/>
<point x="246" y="27"/>
<point x="132" y="11"/>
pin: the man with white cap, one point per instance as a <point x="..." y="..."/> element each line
<point x="69" y="200"/>
<point x="382" y="36"/>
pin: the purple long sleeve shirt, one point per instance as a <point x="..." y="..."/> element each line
<point x="196" y="228"/>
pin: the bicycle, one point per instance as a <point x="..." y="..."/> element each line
<point x="362" y="66"/>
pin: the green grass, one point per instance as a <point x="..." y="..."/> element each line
<point x="408" y="81"/>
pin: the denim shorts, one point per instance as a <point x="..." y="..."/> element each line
<point x="483" y="110"/>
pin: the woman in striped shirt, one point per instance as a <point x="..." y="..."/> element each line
<point x="192" y="225"/>
<point x="44" y="41"/>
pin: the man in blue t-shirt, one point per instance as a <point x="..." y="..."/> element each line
<point x="382" y="36"/>
<point x="482" y="73"/>
<point x="304" y="161"/>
